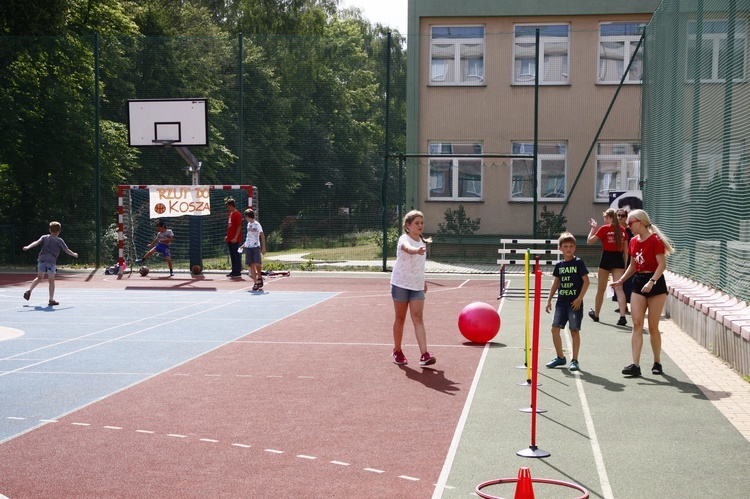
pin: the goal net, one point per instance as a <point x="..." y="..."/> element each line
<point x="197" y="239"/>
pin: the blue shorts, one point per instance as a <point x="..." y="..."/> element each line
<point x="252" y="255"/>
<point x="49" y="268"/>
<point x="162" y="248"/>
<point x="566" y="315"/>
<point x="406" y="295"/>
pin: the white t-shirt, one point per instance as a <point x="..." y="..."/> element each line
<point x="253" y="234"/>
<point x="408" y="271"/>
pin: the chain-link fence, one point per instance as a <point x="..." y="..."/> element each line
<point x="696" y="138"/>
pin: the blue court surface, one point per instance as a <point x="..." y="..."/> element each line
<point x="98" y="342"/>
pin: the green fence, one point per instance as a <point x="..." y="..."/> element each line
<point x="696" y="138"/>
<point x="301" y="118"/>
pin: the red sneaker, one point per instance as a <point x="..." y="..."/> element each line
<point x="426" y="359"/>
<point x="399" y="358"/>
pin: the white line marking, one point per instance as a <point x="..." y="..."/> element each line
<point x="306" y="377"/>
<point x="449" y="458"/>
<point x="48" y="421"/>
<point x="302" y="456"/>
<point x="244" y="446"/>
<point x="145" y="431"/>
<point x="16" y="418"/>
<point x="374" y="470"/>
<point x="113" y="427"/>
<point x="80" y="424"/>
<point x="411" y="478"/>
<point x="340" y="463"/>
<point x="209" y="440"/>
<point x="274" y="451"/>
<point x="175" y="435"/>
<point x="598" y="457"/>
<point x="212" y="375"/>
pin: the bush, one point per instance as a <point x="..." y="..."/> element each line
<point x="275" y="241"/>
<point x="391" y="243"/>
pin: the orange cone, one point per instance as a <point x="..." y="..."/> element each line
<point x="524" y="487"/>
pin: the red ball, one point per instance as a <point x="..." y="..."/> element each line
<point x="479" y="322"/>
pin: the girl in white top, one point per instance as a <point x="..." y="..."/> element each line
<point x="408" y="287"/>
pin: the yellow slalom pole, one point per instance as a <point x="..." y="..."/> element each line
<point x="526" y="299"/>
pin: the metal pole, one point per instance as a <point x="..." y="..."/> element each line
<point x="97" y="152"/>
<point x="384" y="186"/>
<point x="536" y="133"/>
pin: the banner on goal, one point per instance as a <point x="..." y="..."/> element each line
<point x="179" y="200"/>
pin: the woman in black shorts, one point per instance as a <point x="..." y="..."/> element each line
<point x="649" y="248"/>
<point x="614" y="243"/>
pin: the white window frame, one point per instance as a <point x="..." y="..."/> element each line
<point x="713" y="41"/>
<point x="620" y="57"/>
<point x="457" y="167"/>
<point x="524" y="55"/>
<point x="555" y="183"/>
<point x="455" y="67"/>
<point x="628" y="172"/>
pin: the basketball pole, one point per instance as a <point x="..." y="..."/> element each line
<point x="196" y="223"/>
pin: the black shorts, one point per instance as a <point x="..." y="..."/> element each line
<point x="640" y="280"/>
<point x="612" y="260"/>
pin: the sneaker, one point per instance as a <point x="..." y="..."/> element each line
<point x="557" y="361"/>
<point x="27" y="295"/>
<point x="53" y="302"/>
<point x="656" y="369"/>
<point x="256" y="287"/>
<point x="593" y="315"/>
<point x="260" y="283"/>
<point x="139" y="261"/>
<point x="632" y="370"/>
<point x="426" y="359"/>
<point x="623" y="321"/>
<point x="171" y="274"/>
<point x="398" y="358"/>
<point x="573" y="366"/>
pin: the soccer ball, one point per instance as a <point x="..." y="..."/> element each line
<point x="144" y="271"/>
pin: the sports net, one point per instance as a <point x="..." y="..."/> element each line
<point x="696" y="138"/>
<point x="206" y="232"/>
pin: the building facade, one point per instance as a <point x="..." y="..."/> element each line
<point x="471" y="91"/>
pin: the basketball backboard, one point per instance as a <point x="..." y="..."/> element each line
<point x="179" y="122"/>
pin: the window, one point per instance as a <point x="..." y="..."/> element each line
<point x="710" y="166"/>
<point x="618" y="168"/>
<point x="455" y="178"/>
<point x="617" y="43"/>
<point x="553" y="46"/>
<point x="711" y="60"/>
<point x="551" y="174"/>
<point x="457" y="55"/>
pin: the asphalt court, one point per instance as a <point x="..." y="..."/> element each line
<point x="648" y="437"/>
<point x="98" y="342"/>
<point x="619" y="437"/>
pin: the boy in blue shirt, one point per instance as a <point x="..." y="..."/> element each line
<point x="571" y="283"/>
